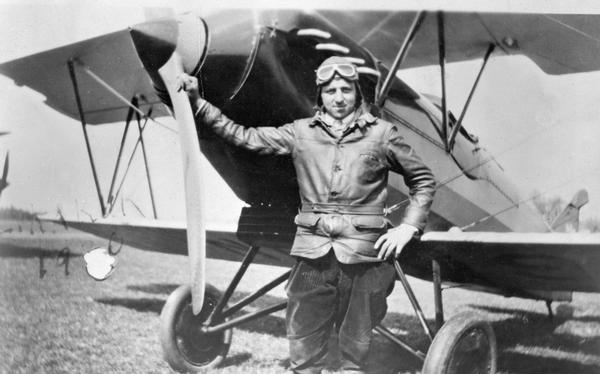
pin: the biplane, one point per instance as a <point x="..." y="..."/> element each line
<point x="258" y="66"/>
<point x="4" y="179"/>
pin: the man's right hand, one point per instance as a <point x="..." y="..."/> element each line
<point x="189" y="84"/>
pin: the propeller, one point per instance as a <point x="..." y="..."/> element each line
<point x="167" y="48"/>
<point x="192" y="170"/>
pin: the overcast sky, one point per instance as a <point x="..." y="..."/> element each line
<point x="558" y="115"/>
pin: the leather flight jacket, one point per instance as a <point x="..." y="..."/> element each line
<point x="342" y="179"/>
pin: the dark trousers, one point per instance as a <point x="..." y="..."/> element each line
<point x="324" y="293"/>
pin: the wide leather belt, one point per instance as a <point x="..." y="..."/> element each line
<point x="342" y="208"/>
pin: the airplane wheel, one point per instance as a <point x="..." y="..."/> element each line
<point x="185" y="347"/>
<point x="465" y="344"/>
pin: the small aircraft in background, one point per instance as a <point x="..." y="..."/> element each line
<point x="4" y="179"/>
<point x="258" y="66"/>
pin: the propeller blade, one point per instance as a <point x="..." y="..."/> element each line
<point x="192" y="170"/>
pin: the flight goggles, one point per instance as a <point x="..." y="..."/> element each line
<point x="346" y="71"/>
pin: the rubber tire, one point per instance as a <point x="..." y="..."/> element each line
<point x="177" y="313"/>
<point x="441" y="357"/>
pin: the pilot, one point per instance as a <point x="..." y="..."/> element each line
<point x="344" y="245"/>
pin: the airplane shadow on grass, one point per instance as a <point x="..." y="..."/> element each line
<point x="528" y="343"/>
<point x="48" y="258"/>
<point x="143" y="304"/>
<point x="15" y="251"/>
<point x="270" y="324"/>
<point x="568" y="353"/>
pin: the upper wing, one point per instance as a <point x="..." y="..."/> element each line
<point x="169" y="237"/>
<point x="557" y="43"/>
<point x="111" y="57"/>
<point x="510" y="263"/>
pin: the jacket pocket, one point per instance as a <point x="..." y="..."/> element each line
<point x="369" y="222"/>
<point x="368" y="167"/>
<point x="307" y="220"/>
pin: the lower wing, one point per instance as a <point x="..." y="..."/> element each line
<point x="512" y="264"/>
<point x="516" y="264"/>
<point x="170" y="237"/>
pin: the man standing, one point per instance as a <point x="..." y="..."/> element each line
<point x="342" y="156"/>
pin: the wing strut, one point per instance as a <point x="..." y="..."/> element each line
<point x="449" y="138"/>
<point x="85" y="134"/>
<point x="385" y="88"/>
<point x="111" y="198"/>
<point x="456" y="128"/>
<point x="107" y="207"/>
<point x="141" y="140"/>
<point x="437" y="293"/>
<point x="442" y="59"/>
<point x="135" y="147"/>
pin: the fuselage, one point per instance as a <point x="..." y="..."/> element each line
<point x="260" y="71"/>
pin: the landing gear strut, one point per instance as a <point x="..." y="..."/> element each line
<point x="465" y="344"/>
<point x="192" y="343"/>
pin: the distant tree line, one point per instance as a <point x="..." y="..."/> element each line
<point x="16" y="214"/>
<point x="551" y="207"/>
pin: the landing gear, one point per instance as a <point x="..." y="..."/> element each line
<point x="193" y="343"/>
<point x="465" y="344"/>
<point x="186" y="347"/>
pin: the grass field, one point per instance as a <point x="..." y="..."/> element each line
<point x="51" y="322"/>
